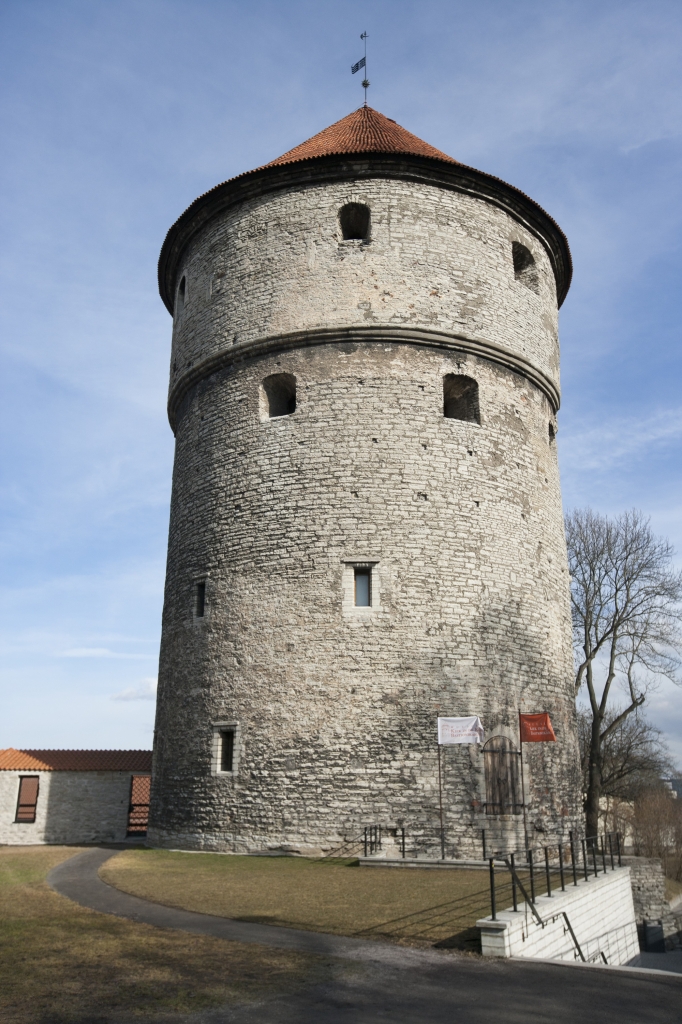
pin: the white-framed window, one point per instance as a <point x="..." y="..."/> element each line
<point x="361" y="587"/>
<point x="225" y="752"/>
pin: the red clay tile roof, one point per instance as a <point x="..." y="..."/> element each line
<point x="363" y="131"/>
<point x="76" y="760"/>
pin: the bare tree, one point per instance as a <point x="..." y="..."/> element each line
<point x="634" y="755"/>
<point x="656" y="823"/>
<point x="625" y="597"/>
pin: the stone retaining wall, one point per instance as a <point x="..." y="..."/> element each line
<point x="600" y="911"/>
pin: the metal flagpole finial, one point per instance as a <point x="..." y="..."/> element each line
<point x="362" y="63"/>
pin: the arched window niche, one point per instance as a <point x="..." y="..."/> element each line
<point x="278" y="396"/>
<point x="460" y="398"/>
<point x="182" y="293"/>
<point x="354" y="221"/>
<point x="502" y="765"/>
<point x="525" y="270"/>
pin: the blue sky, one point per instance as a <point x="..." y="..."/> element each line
<point x="115" y="116"/>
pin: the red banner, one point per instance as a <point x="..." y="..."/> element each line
<point x="536" y="728"/>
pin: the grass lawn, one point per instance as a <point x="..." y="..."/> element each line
<point x="407" y="905"/>
<point x="61" y="963"/>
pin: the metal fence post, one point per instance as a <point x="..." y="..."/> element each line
<point x="485" y="857"/>
<point x="513" y="878"/>
<point x="365" y="841"/>
<point x="561" y="867"/>
<point x="402" y="841"/>
<point x="575" y="874"/>
<point x="613" y="867"/>
<point x="620" y="863"/>
<point x="584" y="846"/>
<point x="603" y="853"/>
<point x="493" y="905"/>
<point x="549" y="881"/>
<point x="532" y="876"/>
<point x="593" y="844"/>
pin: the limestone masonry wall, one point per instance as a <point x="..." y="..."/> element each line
<point x="334" y="707"/>
<point x="435" y="259"/>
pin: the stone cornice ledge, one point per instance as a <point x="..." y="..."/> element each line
<point x="365" y="334"/>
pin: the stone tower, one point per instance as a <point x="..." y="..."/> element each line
<point x="366" y="525"/>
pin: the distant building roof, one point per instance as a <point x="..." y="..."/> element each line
<point x="363" y="131"/>
<point x="76" y="760"/>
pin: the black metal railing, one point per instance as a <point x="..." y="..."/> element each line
<point x="594" y="854"/>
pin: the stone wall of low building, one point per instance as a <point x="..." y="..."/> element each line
<point x="73" y="807"/>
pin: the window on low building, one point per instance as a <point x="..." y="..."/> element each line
<point x="354" y="219"/>
<point x="278" y="395"/>
<point x="460" y="398"/>
<point x="28" y="799"/>
<point x="502" y="774"/>
<point x="363" y="586"/>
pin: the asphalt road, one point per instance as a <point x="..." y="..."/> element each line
<point x="364" y="982"/>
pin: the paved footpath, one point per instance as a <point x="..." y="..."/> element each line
<point x="367" y="982"/>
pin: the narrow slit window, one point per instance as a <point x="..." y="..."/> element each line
<point x="182" y="292"/>
<point x="200" y="600"/>
<point x="354" y="221"/>
<point x="363" y="587"/>
<point x="227" y="750"/>
<point x="460" y="398"/>
<point x="552" y="434"/>
<point x="28" y="799"/>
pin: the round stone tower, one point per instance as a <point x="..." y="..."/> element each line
<point x="366" y="525"/>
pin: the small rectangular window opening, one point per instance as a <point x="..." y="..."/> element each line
<point x="28" y="799"/>
<point x="200" y="604"/>
<point x="227" y="750"/>
<point x="363" y="587"/>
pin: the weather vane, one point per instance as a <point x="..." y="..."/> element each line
<point x="362" y="63"/>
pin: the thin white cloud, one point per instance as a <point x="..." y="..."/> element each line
<point x="616" y="440"/>
<point x="96" y="652"/>
<point x="145" y="691"/>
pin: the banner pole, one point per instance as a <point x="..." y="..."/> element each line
<point x="523" y="786"/>
<point x="440" y="802"/>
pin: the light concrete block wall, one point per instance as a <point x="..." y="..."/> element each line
<point x="601" y="913"/>
<point x="73" y="807"/>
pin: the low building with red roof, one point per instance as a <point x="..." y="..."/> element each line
<point x="73" y="796"/>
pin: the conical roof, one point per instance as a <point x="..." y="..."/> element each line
<point x="363" y="131"/>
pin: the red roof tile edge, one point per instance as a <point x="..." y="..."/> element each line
<point x="76" y="760"/>
<point x="391" y="142"/>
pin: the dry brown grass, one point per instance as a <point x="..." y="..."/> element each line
<point x="412" y="905"/>
<point x="60" y="963"/>
<point x="673" y="888"/>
